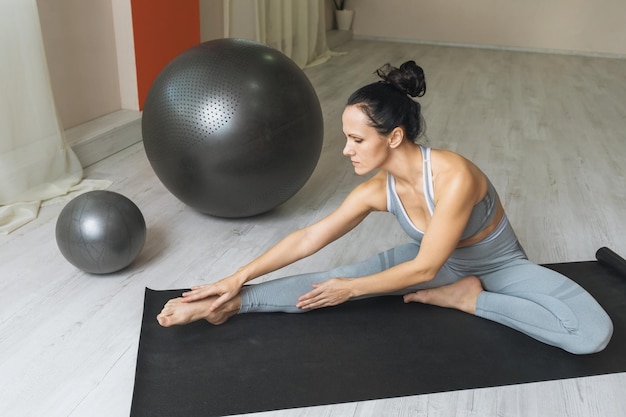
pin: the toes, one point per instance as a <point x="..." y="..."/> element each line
<point x="414" y="297"/>
<point x="163" y="320"/>
<point x="174" y="301"/>
<point x="409" y="298"/>
<point x="165" y="316"/>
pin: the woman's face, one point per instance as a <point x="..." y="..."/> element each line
<point x="365" y="147"/>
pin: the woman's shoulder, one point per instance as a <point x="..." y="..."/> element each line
<point x="447" y="154"/>
<point x="449" y="168"/>
<point x="450" y="161"/>
<point x="373" y="191"/>
<point x="377" y="182"/>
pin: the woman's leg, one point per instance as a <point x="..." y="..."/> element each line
<point x="546" y="306"/>
<point x="281" y="295"/>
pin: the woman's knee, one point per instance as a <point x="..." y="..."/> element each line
<point x="593" y="338"/>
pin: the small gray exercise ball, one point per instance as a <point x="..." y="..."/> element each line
<point x="100" y="232"/>
<point x="232" y="128"/>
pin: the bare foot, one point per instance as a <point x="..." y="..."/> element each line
<point x="176" y="311"/>
<point x="461" y="295"/>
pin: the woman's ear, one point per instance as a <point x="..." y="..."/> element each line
<point x="396" y="137"/>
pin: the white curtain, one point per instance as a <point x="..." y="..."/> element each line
<point x="294" y="27"/>
<point x="35" y="162"/>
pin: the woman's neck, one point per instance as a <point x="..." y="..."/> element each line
<point x="405" y="164"/>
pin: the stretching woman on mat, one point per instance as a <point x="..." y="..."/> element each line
<point x="463" y="254"/>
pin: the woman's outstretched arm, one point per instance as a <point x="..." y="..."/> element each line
<point x="367" y="197"/>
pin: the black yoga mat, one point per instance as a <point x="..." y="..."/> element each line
<point x="362" y="350"/>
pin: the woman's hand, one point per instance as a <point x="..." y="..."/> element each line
<point x="225" y="290"/>
<point x="328" y="293"/>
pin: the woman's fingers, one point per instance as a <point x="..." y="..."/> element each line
<point x="326" y="294"/>
<point x="199" y="293"/>
<point x="307" y="299"/>
<point x="221" y="300"/>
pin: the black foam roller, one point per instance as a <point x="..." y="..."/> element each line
<point x="607" y="257"/>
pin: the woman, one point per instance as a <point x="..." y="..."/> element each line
<point x="463" y="255"/>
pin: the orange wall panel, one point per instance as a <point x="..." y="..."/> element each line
<point x="162" y="30"/>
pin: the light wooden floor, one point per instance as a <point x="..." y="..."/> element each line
<point x="548" y="129"/>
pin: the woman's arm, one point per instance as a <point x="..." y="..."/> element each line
<point x="365" y="198"/>
<point x="456" y="198"/>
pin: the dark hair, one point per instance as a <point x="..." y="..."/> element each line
<point x="388" y="103"/>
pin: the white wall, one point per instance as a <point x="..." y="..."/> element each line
<point x="80" y="42"/>
<point x="211" y="19"/>
<point x="91" y="56"/>
<point x="125" y="53"/>
<point x="239" y="19"/>
<point x="578" y="26"/>
<point x="90" y="51"/>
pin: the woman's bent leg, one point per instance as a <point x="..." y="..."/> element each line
<point x="546" y="306"/>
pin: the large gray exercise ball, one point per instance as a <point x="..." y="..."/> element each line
<point x="232" y="128"/>
<point x="100" y="232"/>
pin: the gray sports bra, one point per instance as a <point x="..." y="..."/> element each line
<point x="482" y="213"/>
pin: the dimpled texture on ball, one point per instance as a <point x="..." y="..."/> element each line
<point x="232" y="128"/>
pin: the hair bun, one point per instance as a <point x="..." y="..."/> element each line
<point x="409" y="78"/>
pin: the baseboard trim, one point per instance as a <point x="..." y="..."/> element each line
<point x="100" y="138"/>
<point x="495" y="47"/>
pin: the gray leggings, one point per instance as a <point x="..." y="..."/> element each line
<point x="519" y="294"/>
